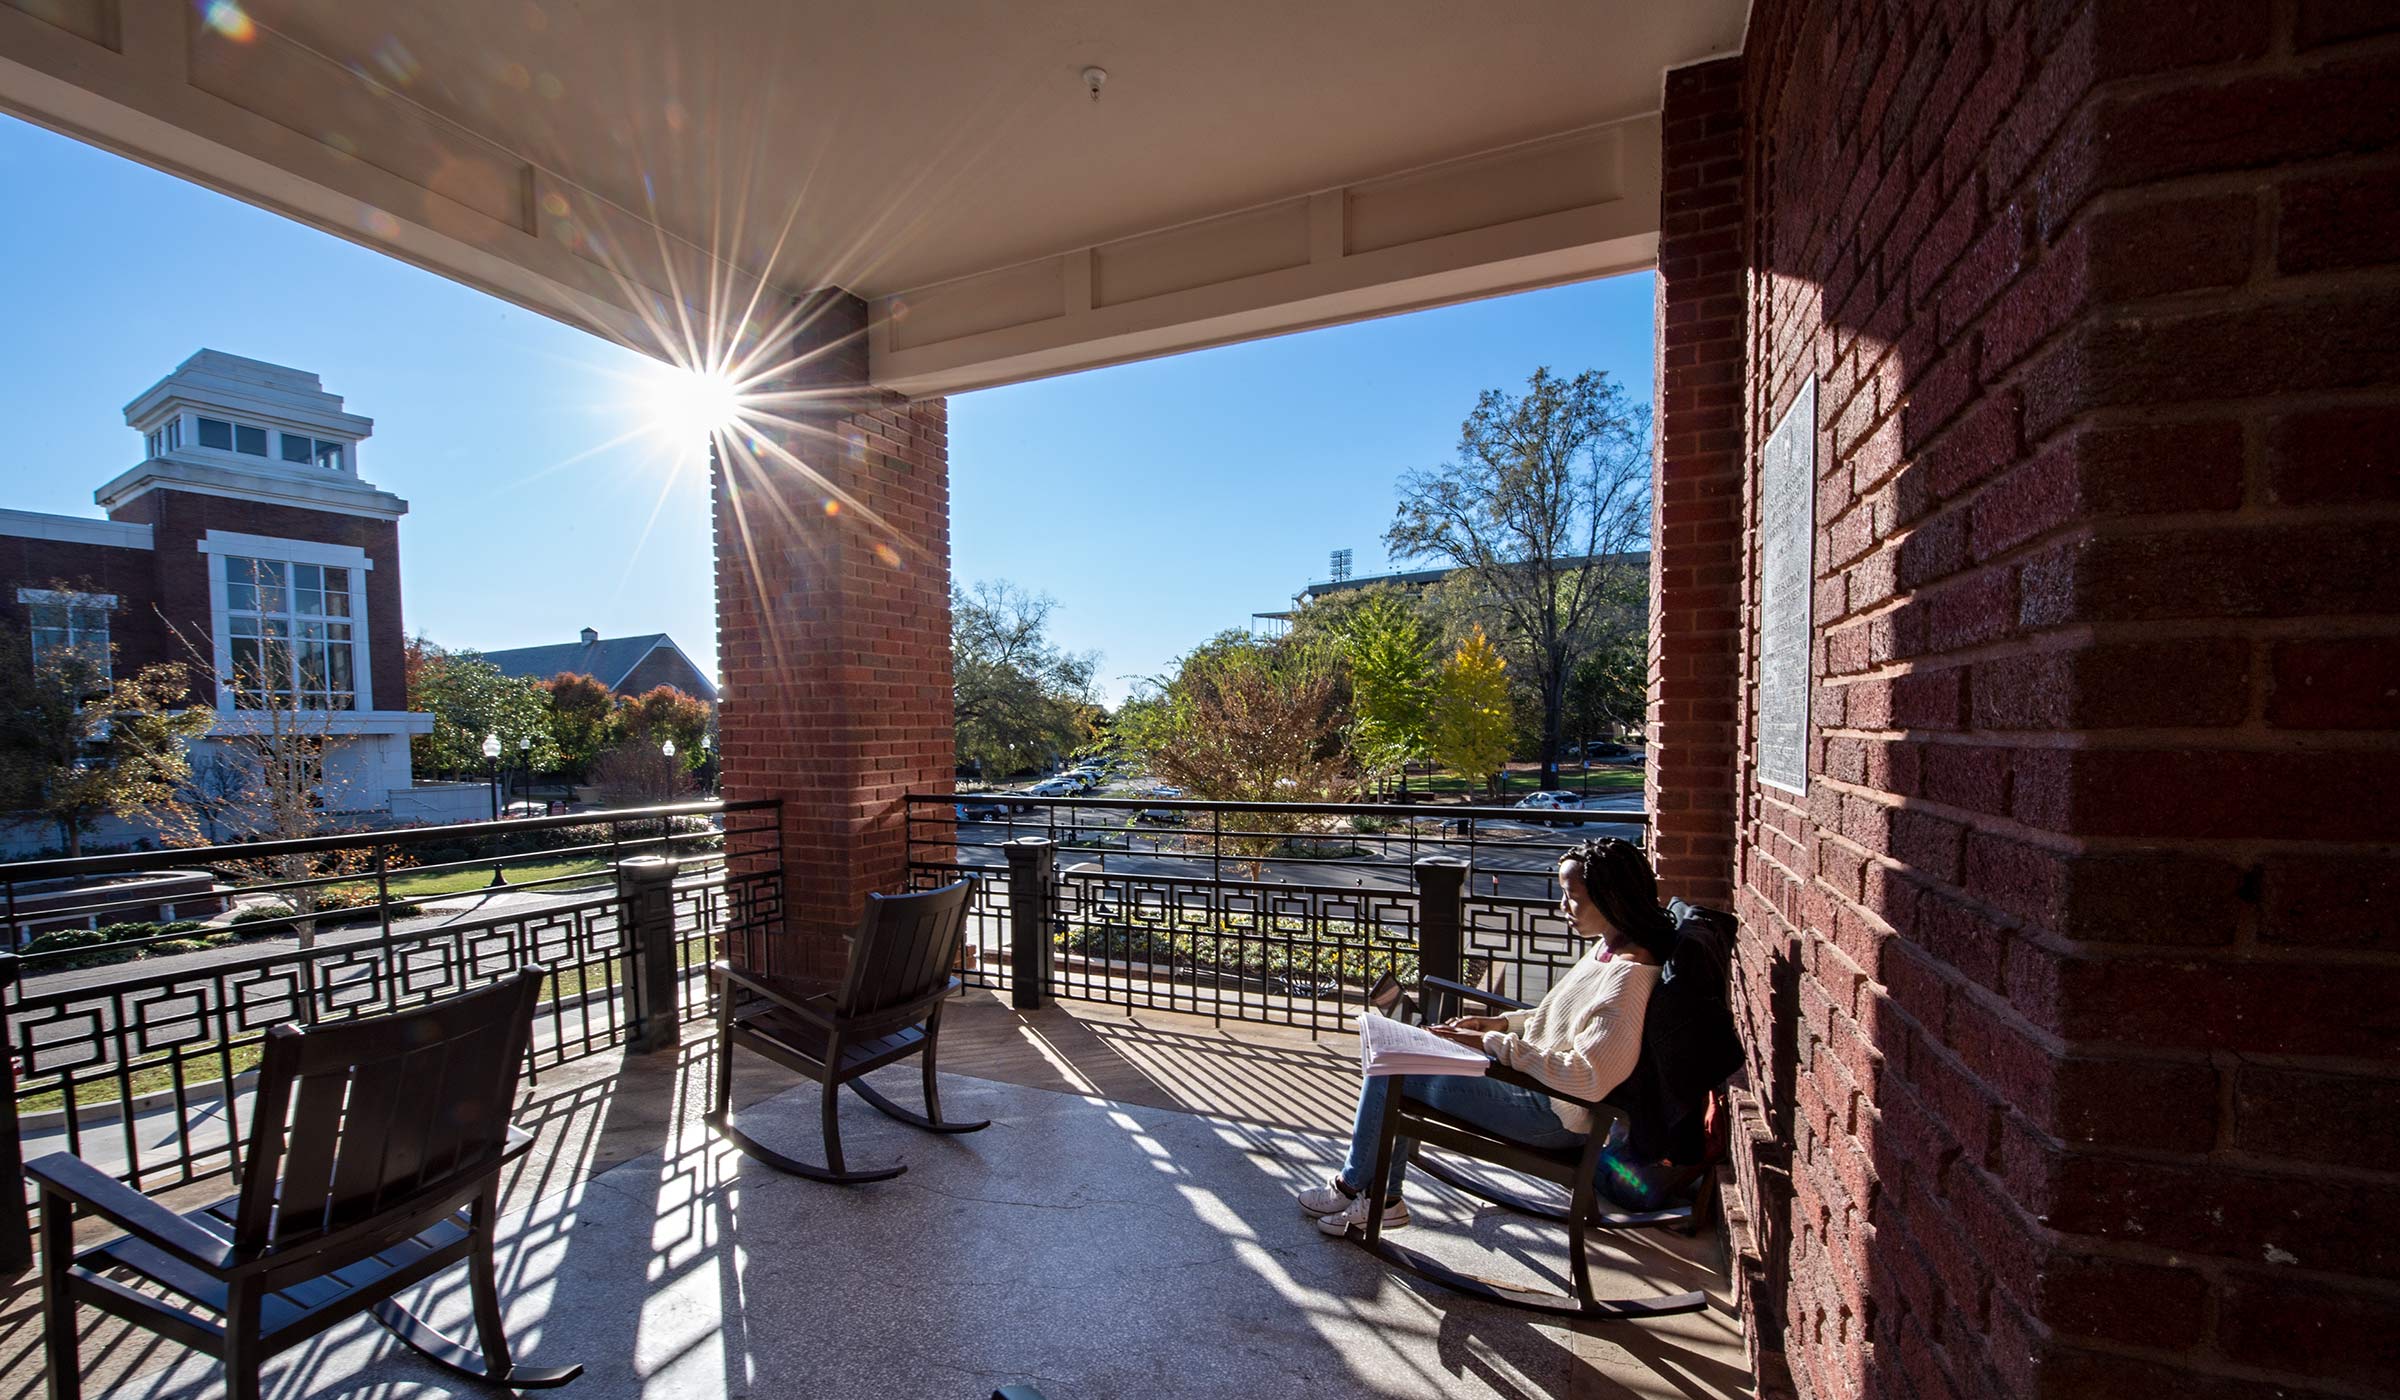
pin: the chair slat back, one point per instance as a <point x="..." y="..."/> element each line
<point x="904" y="948"/>
<point x="357" y="1119"/>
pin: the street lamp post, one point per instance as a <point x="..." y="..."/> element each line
<point x="525" y="765"/>
<point x="666" y="825"/>
<point x="491" y="775"/>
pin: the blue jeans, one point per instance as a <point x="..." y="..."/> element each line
<point x="1505" y="1109"/>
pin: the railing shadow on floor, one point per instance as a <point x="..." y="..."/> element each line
<point x="573" y="1236"/>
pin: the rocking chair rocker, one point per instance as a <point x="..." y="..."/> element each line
<point x="366" y="1141"/>
<point x="885" y="1009"/>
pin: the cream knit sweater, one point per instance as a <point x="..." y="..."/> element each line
<point x="1585" y="1036"/>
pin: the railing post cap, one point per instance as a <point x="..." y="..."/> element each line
<point x="647" y="868"/>
<point x="1027" y="842"/>
<point x="1441" y="860"/>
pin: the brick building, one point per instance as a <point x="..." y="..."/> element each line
<point x="244" y="543"/>
<point x="626" y="665"/>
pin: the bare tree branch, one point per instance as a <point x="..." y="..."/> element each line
<point x="1549" y="490"/>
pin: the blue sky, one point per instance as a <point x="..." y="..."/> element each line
<point x="1158" y="502"/>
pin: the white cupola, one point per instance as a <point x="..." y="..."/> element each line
<point x="227" y="425"/>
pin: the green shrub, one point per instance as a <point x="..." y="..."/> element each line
<point x="125" y="932"/>
<point x="257" y="913"/>
<point x="1344" y="952"/>
<point x="82" y="947"/>
<point x="58" y="940"/>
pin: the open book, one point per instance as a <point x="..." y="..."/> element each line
<point x="1386" y="1046"/>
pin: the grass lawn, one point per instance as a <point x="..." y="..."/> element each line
<point x="149" y="1076"/>
<point x="475" y="878"/>
<point x="1520" y="781"/>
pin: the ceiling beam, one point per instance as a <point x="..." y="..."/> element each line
<point x="1579" y="205"/>
<point x="261" y="117"/>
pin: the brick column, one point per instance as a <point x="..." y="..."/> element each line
<point x="2086" y="920"/>
<point x="833" y="623"/>
<point x="1696" y="484"/>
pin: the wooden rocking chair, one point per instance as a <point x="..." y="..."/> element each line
<point x="1575" y="1168"/>
<point x="366" y="1141"/>
<point x="885" y="1009"/>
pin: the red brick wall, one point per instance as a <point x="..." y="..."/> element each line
<point x="2081" y="950"/>
<point x="129" y="574"/>
<point x="1695" y="574"/>
<point x="833" y="631"/>
<point x="162" y="592"/>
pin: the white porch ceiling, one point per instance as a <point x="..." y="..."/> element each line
<point x="1249" y="167"/>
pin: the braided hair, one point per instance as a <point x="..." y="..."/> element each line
<point x="1618" y="881"/>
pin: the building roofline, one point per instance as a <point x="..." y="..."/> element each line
<point x="337" y="494"/>
<point x="1320" y="586"/>
<point x="575" y="648"/>
<point x="76" y="529"/>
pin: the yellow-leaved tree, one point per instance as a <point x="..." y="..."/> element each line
<point x="1471" y="726"/>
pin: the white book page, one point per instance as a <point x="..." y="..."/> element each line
<point x="1386" y="1046"/>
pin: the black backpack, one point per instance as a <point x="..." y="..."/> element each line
<point x="1689" y="1042"/>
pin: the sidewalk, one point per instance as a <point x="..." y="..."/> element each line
<point x="477" y="906"/>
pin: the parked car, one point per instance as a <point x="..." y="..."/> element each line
<point x="1054" y="787"/>
<point x="1552" y="803"/>
<point x="1602" y="748"/>
<point x="1164" y="816"/>
<point x="995" y="805"/>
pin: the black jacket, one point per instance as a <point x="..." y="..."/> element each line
<point x="1689" y="1044"/>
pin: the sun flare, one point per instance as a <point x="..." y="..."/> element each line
<point x="687" y="405"/>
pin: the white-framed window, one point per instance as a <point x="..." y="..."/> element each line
<point x="165" y="438"/>
<point x="289" y="619"/>
<point x="227" y="435"/>
<point x="307" y="451"/>
<point x="290" y="632"/>
<point x="59" y="621"/>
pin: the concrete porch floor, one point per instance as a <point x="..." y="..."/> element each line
<point x="1124" y="1228"/>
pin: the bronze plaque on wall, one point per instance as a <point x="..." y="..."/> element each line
<point x="1787" y="524"/>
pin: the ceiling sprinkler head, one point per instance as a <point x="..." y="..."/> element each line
<point x="1093" y="77"/>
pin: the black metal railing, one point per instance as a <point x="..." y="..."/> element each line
<point x="133" y="1053"/>
<point x="1288" y="913"/>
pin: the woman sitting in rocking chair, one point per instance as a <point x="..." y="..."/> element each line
<point x="1583" y="1039"/>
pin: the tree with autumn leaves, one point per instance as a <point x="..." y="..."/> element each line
<point x="1471" y="726"/>
<point x="1540" y="517"/>
<point x="78" y="743"/>
<point x="570" y="725"/>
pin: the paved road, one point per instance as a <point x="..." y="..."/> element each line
<point x="1511" y="858"/>
<point x="477" y="907"/>
<point x="186" y="1014"/>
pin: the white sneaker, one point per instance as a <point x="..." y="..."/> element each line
<point x="1354" y="1217"/>
<point x="1330" y="1199"/>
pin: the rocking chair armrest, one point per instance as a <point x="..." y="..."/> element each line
<point x="1475" y="994"/>
<point x="1603" y="1114"/>
<point x="67" y="1175"/>
<point x="765" y="987"/>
